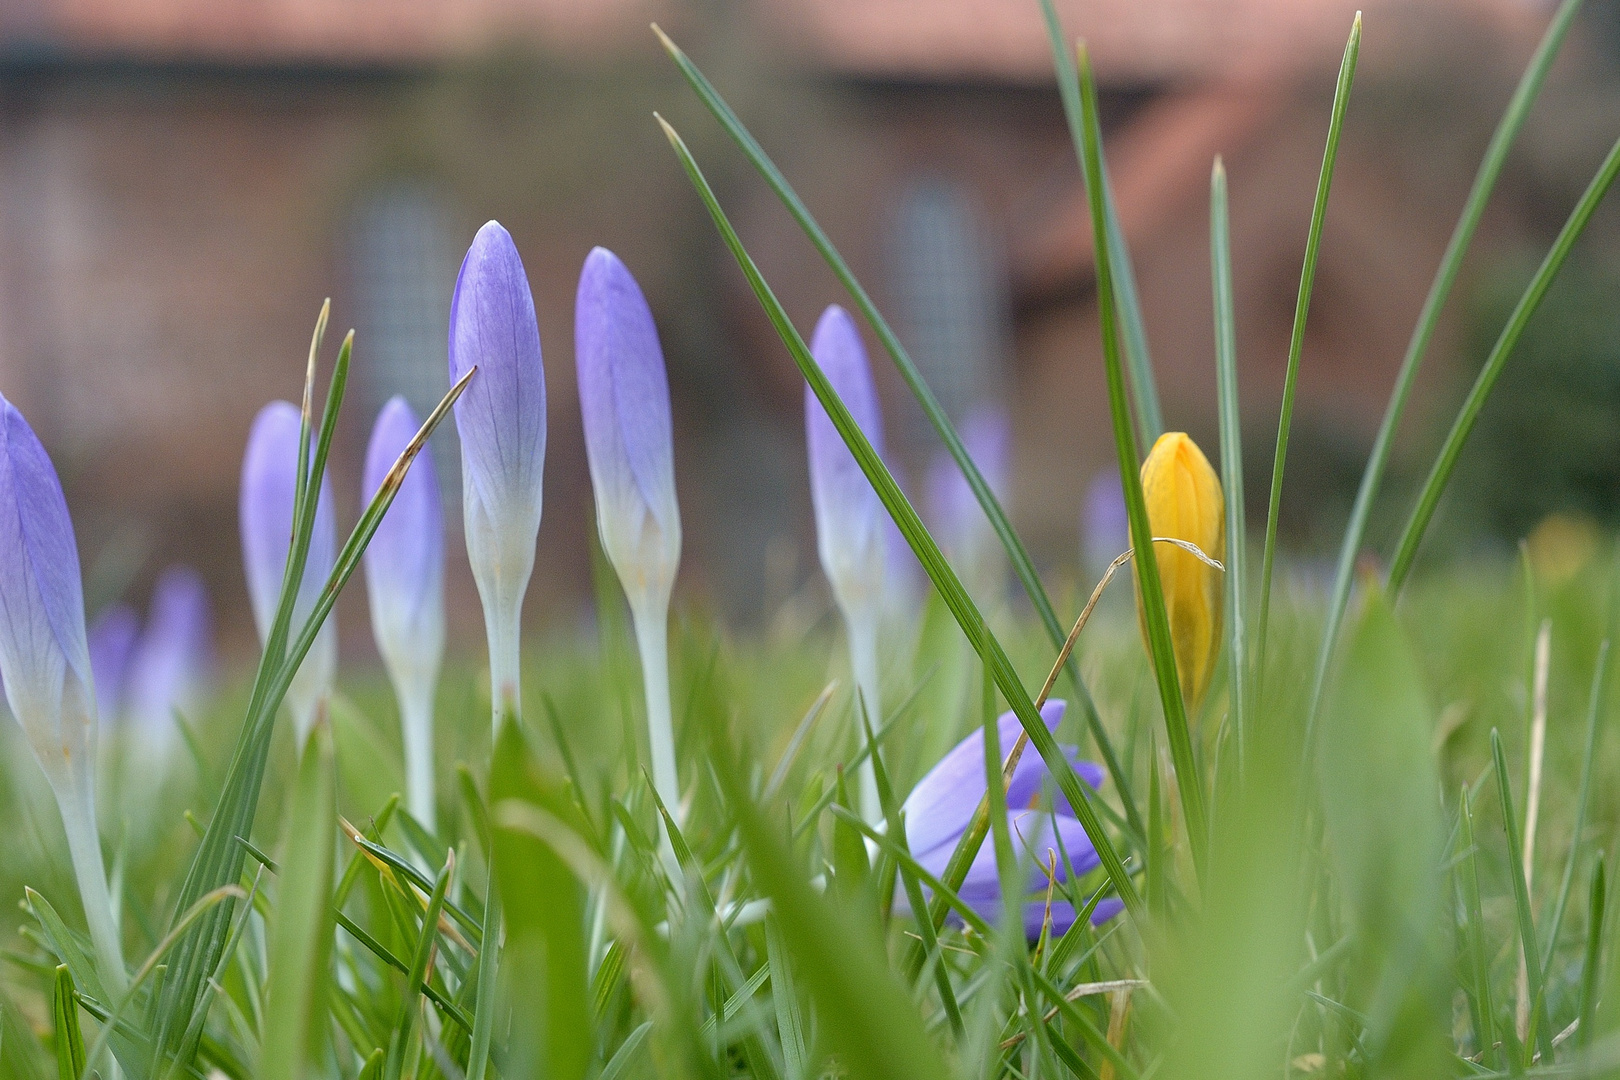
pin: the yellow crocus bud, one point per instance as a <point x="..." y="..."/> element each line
<point x="1184" y="502"/>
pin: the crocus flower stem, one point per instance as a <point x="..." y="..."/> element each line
<point x="651" y="619"/>
<point x="78" y="808"/>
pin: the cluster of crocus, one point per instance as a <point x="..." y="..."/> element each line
<point x="45" y="662"/>
<point x="1048" y="840"/>
<point x="269" y="489"/>
<point x="851" y="522"/>
<point x="151" y="676"/>
<point x="405" y="585"/>
<point x="1184" y="502"/>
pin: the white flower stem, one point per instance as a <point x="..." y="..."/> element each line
<point x="863" y="662"/>
<point x="651" y="618"/>
<point x="503" y="624"/>
<point x="77" y="802"/>
<point x="416" y="724"/>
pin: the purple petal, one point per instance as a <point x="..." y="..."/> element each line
<point x="501" y="416"/>
<point x="42" y="634"/>
<point x="111" y="641"/>
<point x="1033" y="843"/>
<point x="943" y="802"/>
<point x="1105" y="529"/>
<point x="849" y="515"/>
<point x="405" y="560"/>
<point x="171" y="667"/>
<point x="1063" y="916"/>
<point x="960" y="520"/>
<point x="269" y="487"/>
<point x="623" y="391"/>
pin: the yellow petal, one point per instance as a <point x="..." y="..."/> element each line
<point x="1184" y="502"/>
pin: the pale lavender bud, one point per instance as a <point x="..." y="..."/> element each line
<point x="45" y="661"/>
<point x="173" y="663"/>
<point x="624" y="399"/>
<point x="849" y="516"/>
<point x="501" y="419"/>
<point x="111" y="640"/>
<point x="852" y="525"/>
<point x="960" y="523"/>
<point x="1105" y="530"/>
<point x="405" y="584"/>
<point x="269" y="488"/>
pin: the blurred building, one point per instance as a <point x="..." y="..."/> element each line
<point x="183" y="181"/>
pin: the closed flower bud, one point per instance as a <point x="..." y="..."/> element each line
<point x="112" y="642"/>
<point x="851" y="522"/>
<point x="1184" y="502"/>
<point x="170" y="671"/>
<point x="405" y="585"/>
<point x="501" y="418"/>
<point x="45" y="660"/>
<point x="269" y="489"/>
<point x="960" y="523"/>
<point x="624" y="401"/>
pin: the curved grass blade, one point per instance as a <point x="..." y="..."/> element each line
<point x="301" y="940"/>
<point x="1490" y="167"/>
<point x="1144" y="388"/>
<point x="1017" y="554"/>
<point x="917" y="536"/>
<point x="1435" y="486"/>
<point x="1587" y="1010"/>
<point x="421" y="959"/>
<point x="1226" y="388"/>
<point x="1594" y="706"/>
<point x="1296" y="341"/>
<point x="70" y="1056"/>
<point x="1479" y="961"/>
<point x="1188" y="783"/>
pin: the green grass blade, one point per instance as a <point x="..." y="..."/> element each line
<point x="1023" y="566"/>
<point x="1594" y="707"/>
<point x="916" y="535"/>
<point x="301" y="938"/>
<point x="790" y="1022"/>
<point x="399" y="1045"/>
<point x="70" y="1056"/>
<point x="1296" y="341"/>
<point x="1188" y="783"/>
<point x="1521" y="902"/>
<point x="1226" y="389"/>
<point x="1434" y="486"/>
<point x="1139" y="365"/>
<point x="1592" y="966"/>
<point x="1490" y="167"/>
<point x="1479" y="967"/>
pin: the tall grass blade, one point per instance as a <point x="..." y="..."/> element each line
<point x="1139" y="365"/>
<point x="1188" y="784"/>
<point x="1226" y="390"/>
<point x="301" y="938"/>
<point x="1592" y="965"/>
<point x="1479" y="959"/>
<point x="1583" y="800"/>
<point x="1023" y="566"/>
<point x="1521" y="903"/>
<point x="1490" y="167"/>
<point x="1296" y="340"/>
<point x="917" y="536"/>
<point x="70" y="1056"/>
<point x="1435" y="485"/>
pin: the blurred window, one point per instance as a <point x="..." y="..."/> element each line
<point x="950" y="292"/>
<point x="403" y="260"/>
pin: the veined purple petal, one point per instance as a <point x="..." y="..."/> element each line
<point x="269" y="488"/>
<point x="111" y="640"/>
<point x="960" y="520"/>
<point x="849" y="515"/>
<point x="172" y="664"/>
<point x="405" y="560"/>
<point x="1035" y="841"/>
<point x="42" y="634"/>
<point x="623" y="395"/>
<point x="943" y="802"/>
<point x="501" y="417"/>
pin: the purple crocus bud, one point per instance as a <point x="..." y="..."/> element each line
<point x="269" y="488"/>
<point x="1105" y="531"/>
<point x="624" y="401"/>
<point x="941" y="806"/>
<point x="172" y="665"/>
<point x="959" y="521"/>
<point x="405" y="584"/>
<point x="112" y="642"/>
<point x="851" y="535"/>
<point x="45" y="661"/>
<point x="501" y="418"/>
